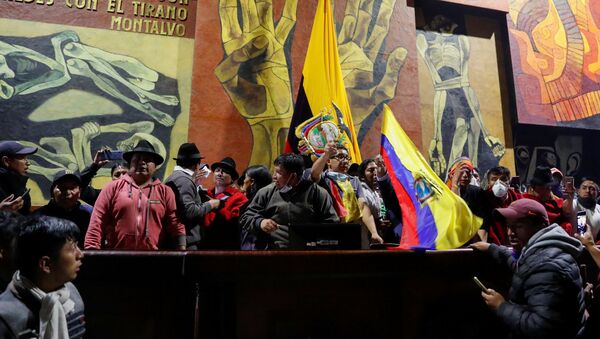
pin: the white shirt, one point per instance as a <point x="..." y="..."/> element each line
<point x="592" y="217"/>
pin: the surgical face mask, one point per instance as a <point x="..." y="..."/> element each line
<point x="500" y="189"/>
<point x="286" y="188"/>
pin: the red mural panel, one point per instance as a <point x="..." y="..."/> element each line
<point x="554" y="47"/>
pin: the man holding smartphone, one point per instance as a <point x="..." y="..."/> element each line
<point x="546" y="295"/>
<point x="586" y="203"/>
<point x="14" y="164"/>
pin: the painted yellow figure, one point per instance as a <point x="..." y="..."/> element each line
<point x="256" y="76"/>
<point x="359" y="48"/>
<point x="447" y="56"/>
<point x="255" y="73"/>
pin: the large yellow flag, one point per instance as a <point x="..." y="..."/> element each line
<point x="433" y="217"/>
<point x="322" y="92"/>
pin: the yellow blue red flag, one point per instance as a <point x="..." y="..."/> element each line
<point x="433" y="217"/>
<point x="322" y="92"/>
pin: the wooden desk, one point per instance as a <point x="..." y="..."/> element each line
<point x="288" y="294"/>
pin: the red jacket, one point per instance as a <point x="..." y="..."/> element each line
<point x="555" y="212"/>
<point x="222" y="230"/>
<point x="129" y="217"/>
<point x="497" y="230"/>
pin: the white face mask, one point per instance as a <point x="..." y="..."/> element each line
<point x="500" y="189"/>
<point x="286" y="188"/>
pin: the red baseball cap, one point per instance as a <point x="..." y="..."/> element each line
<point x="522" y="208"/>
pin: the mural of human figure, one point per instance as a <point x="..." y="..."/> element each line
<point x="39" y="72"/>
<point x="447" y="57"/>
<point x="69" y="99"/>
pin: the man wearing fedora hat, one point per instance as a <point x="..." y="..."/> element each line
<point x="13" y="176"/>
<point x="191" y="205"/>
<point x="222" y="229"/>
<point x="559" y="210"/>
<point x="137" y="212"/>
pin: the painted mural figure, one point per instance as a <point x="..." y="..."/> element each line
<point x="75" y="154"/>
<point x="255" y="71"/>
<point x="557" y="44"/>
<point x="25" y="71"/>
<point x="447" y="56"/>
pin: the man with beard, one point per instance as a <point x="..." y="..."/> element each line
<point x="546" y="295"/>
<point x="136" y="212"/>
<point x="586" y="201"/>
<point x="13" y="177"/>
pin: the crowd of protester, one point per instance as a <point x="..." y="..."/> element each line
<point x="533" y="228"/>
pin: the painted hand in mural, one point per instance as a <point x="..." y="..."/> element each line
<point x="57" y="153"/>
<point x="120" y="76"/>
<point x="359" y="47"/>
<point x="254" y="71"/>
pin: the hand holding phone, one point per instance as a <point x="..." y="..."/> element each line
<point x="22" y="196"/>
<point x="581" y="221"/>
<point x="480" y="284"/>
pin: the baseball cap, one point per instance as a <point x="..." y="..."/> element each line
<point x="10" y="147"/>
<point x="522" y="208"/>
<point x="64" y="175"/>
<point x="555" y="170"/>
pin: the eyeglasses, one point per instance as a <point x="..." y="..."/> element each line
<point x="342" y="157"/>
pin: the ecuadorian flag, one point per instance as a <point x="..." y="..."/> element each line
<point x="433" y="217"/>
<point x="322" y="87"/>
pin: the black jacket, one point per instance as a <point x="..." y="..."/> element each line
<point x="546" y="296"/>
<point x="80" y="215"/>
<point x="13" y="183"/>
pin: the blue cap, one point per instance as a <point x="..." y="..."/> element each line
<point x="11" y="147"/>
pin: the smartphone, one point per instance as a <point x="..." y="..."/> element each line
<point x="581" y="221"/>
<point x="25" y="193"/>
<point x="480" y="284"/>
<point x="113" y="155"/>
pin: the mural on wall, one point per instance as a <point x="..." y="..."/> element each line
<point x="459" y="128"/>
<point x="257" y="75"/>
<point x="555" y="52"/>
<point x="72" y="90"/>
<point x="571" y="151"/>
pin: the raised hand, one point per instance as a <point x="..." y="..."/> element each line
<point x="254" y="71"/>
<point x="496" y="145"/>
<point x="359" y="48"/>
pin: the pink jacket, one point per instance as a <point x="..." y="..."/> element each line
<point x="128" y="217"/>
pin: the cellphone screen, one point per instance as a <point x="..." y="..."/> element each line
<point x="480" y="284"/>
<point x="581" y="221"/>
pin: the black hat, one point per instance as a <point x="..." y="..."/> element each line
<point x="11" y="147"/>
<point x="188" y="151"/>
<point x="64" y="175"/>
<point x="542" y="176"/>
<point x="228" y="165"/>
<point x="143" y="146"/>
